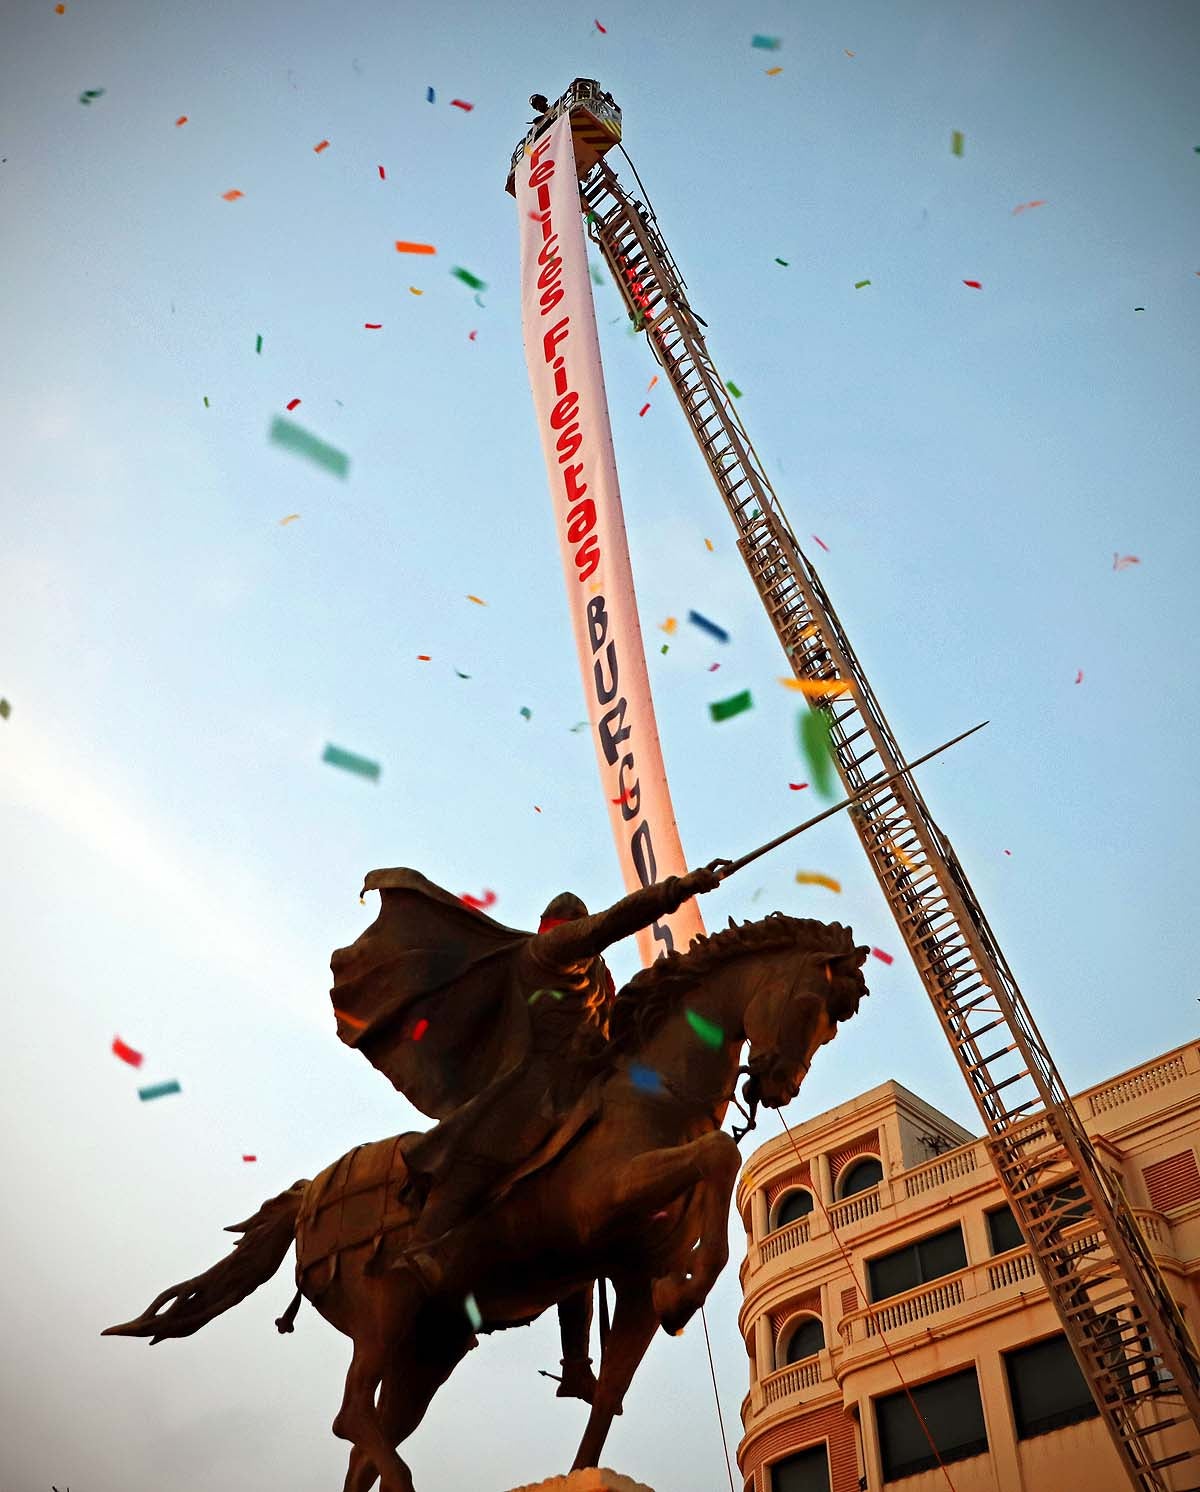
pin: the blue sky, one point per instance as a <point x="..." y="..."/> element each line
<point x="178" y="862"/>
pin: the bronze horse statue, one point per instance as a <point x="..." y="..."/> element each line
<point x="639" y="1195"/>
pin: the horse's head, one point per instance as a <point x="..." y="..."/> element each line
<point x="802" y="995"/>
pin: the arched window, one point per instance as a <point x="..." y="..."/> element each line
<point x="861" y="1176"/>
<point x="806" y="1340"/>
<point x="794" y="1206"/>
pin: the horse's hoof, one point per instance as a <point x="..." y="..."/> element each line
<point x="578" y="1382"/>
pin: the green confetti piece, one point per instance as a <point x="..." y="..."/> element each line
<point x="159" y="1090"/>
<point x="527" y="712"/>
<point x="258" y="343"/>
<point x="663" y="649"/>
<point x="206" y="401"/>
<point x="336" y="757"/>
<point x="575" y="729"/>
<point x="89" y="94"/>
<point x="815" y="727"/>
<point x="858" y="284"/>
<point x="597" y="277"/>
<point x="468" y="278"/>
<point x="5" y="709"/>
<point x="956" y="142"/>
<point x="784" y="262"/>
<point x="767" y="43"/>
<point x="726" y="709"/>
<point x="472" y="1311"/>
<point x="293" y="437"/>
<point x="734" y="390"/>
<point x="557" y="993"/>
<point x="591" y="217"/>
<point x="708" y="1031"/>
<point x="462" y="675"/>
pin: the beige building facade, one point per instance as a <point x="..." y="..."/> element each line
<point x="885" y="1194"/>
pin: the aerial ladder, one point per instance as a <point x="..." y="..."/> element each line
<point x="1123" y="1325"/>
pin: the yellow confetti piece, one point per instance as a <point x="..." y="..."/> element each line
<point x="810" y="631"/>
<point x="708" y="544"/>
<point x="817" y="688"/>
<point x="900" y="855"/>
<point x="477" y="601"/>
<point x="669" y="626"/>
<point x="291" y="517"/>
<point x="773" y="72"/>
<point x="814" y="878"/>
<point x="412" y="290"/>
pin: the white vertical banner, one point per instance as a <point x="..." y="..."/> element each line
<point x="562" y="349"/>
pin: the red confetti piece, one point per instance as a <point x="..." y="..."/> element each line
<point x="372" y="326"/>
<point x="882" y="956"/>
<point x="797" y="786"/>
<point x="536" y="809"/>
<point x="1124" y="561"/>
<point x="293" y="404"/>
<point x="324" y="145"/>
<point x="126" y="1053"/>
<point x="488" y="900"/>
<point x="1008" y="852"/>
<point x="1079" y="677"/>
<point x="471" y="336"/>
<point x="461" y="103"/>
<point x="712" y="667"/>
<point x="822" y="543"/>
<point x="181" y="120"/>
<point x="643" y="410"/>
<point x="382" y="177"/>
<point x="249" y="1157"/>
<point x="423" y="658"/>
<point x="974" y="284"/>
<point x="420" y="1029"/>
<point x="599" y="27"/>
<point x="233" y="195"/>
<point x="1022" y="206"/>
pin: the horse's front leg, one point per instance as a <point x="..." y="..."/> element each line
<point x="634" y="1320"/>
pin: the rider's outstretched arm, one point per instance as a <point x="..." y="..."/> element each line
<point x="585" y="937"/>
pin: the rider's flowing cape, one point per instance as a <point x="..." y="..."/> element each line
<point x="430" y="994"/>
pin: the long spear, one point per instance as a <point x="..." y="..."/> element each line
<point x="725" y="868"/>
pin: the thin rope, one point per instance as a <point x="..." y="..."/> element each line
<point x="717" y="1397"/>
<point x="871" y="1312"/>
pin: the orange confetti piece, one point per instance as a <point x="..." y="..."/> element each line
<point x="291" y="518"/>
<point x="669" y="625"/>
<point x="1024" y="206"/>
<point x="773" y="72"/>
<point x="814" y="878"/>
<point x="404" y="247"/>
<point x="900" y="855"/>
<point x="477" y="601"/>
<point x="60" y="10"/>
<point x="708" y="544"/>
<point x="181" y="120"/>
<point x="423" y="658"/>
<point x="233" y="195"/>
<point x="652" y="382"/>
<point x="324" y="145"/>
<point x="350" y="1020"/>
<point x="817" y="688"/>
<point x="412" y="290"/>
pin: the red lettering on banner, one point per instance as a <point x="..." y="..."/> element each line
<point x="564" y="411"/>
<point x="587" y="559"/>
<point x="557" y="333"/>
<point x="551" y="275"/>
<point x="568" y="443"/>
<point x="543" y="257"/>
<point x="581" y="520"/>
<point x="541" y="173"/>
<point x="575" y="490"/>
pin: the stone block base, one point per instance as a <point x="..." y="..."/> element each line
<point x="592" y="1480"/>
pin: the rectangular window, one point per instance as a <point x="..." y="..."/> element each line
<point x="1003" y="1232"/>
<point x="918" y="1263"/>
<point x="1046" y="1388"/>
<point x="953" y="1416"/>
<point x="807" y="1471"/>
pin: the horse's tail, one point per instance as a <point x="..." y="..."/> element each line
<point x="256" y="1256"/>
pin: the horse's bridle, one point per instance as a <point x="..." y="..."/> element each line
<point x="750" y="1092"/>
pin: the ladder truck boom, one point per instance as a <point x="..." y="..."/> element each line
<point x="1124" y="1327"/>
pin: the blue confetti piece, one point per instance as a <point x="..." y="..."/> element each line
<point x="645" y="1078"/>
<point x="429" y="94"/>
<point x="703" y="622"/>
<point x="337" y="757"/>
<point x="159" y="1090"/>
<point x="526" y="712"/>
<point x="767" y="43"/>
<point x="469" y="1305"/>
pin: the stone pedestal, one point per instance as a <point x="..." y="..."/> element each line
<point x="593" y="1480"/>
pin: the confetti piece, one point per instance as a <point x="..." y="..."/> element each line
<point x="472" y="1311"/>
<point x="468" y="278"/>
<point x="527" y="712"/>
<point x="784" y="262"/>
<point x="557" y="993"/>
<point x="337" y="757"/>
<point x="884" y="958"/>
<point x="1025" y="206"/>
<point x="861" y="284"/>
<point x="372" y="326"/>
<point x="479" y="903"/>
<point x="293" y="403"/>
<point x="669" y="626"/>
<point x="900" y="855"/>
<point x="817" y="688"/>
<point x="471" y="336"/>
<point x="126" y="1053"/>
<point x="603" y="29"/>
<point x="708" y="1031"/>
<point x="766" y="43"/>
<point x="652" y="382"/>
<point x="404" y="247"/>
<point x="420" y="1029"/>
<point x="291" y="518"/>
<point x="643" y="410"/>
<point x="644" y="1078"/>
<point x="206" y="401"/>
<point x="815" y="743"/>
<point x="1008" y="852"/>
<point x="536" y="809"/>
<point x="249" y="1157"/>
<point x="412" y="290"/>
<point x="159" y="1090"/>
<point x="665" y="648"/>
<point x="461" y="103"/>
<point x="350" y="1020"/>
<point x="289" y="435"/>
<point x="848" y="53"/>
<point x="712" y="667"/>
<point x="708" y="544"/>
<point x="974" y="284"/>
<point x="773" y="72"/>
<point x="822" y="543"/>
<point x="797" y="786"/>
<point x="382" y="176"/>
<point x="258" y="343"/>
<point x="726" y="709"/>
<point x="60" y="10"/>
<point x="1125" y="561"/>
<point x="89" y="94"/>
<point x="233" y="195"/>
<point x="324" y="145"/>
<point x="1079" y="677"/>
<point x="183" y="119"/>
<point x="705" y="625"/>
<point x="575" y="729"/>
<point x="480" y="304"/>
<point x="956" y="142"/>
<point x="1139" y="308"/>
<point x="734" y="390"/>
<point x="429" y="97"/>
<point x="814" y="878"/>
<point x="423" y="658"/>
<point x="477" y="600"/>
<point x="597" y="277"/>
<point x="5" y="709"/>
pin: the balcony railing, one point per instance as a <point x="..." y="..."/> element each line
<point x="790" y="1380"/>
<point x="854" y="1209"/>
<point x="1138" y="1083"/>
<point x="924" y="1178"/>
<point x="790" y="1237"/>
<point x="1008" y="1270"/>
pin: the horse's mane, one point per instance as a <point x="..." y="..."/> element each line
<point x="642" y="1005"/>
